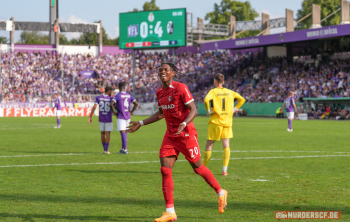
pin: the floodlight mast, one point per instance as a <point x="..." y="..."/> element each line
<point x="0" y="73"/>
<point x="133" y="73"/>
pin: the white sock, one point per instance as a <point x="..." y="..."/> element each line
<point x="224" y="169"/>
<point x="221" y="193"/>
<point x="171" y="210"/>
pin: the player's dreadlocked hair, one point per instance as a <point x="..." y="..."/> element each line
<point x="173" y="67"/>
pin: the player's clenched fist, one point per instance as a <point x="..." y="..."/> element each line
<point x="134" y="125"/>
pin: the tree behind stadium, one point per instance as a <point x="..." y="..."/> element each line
<point x="84" y="39"/>
<point x="3" y="40"/>
<point x="148" y="6"/>
<point x="327" y="7"/>
<point x="243" y="11"/>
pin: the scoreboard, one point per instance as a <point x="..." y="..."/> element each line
<point x="152" y="29"/>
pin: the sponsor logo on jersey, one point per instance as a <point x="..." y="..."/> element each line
<point x="169" y="98"/>
<point x="171" y="106"/>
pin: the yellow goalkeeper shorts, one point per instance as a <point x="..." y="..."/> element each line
<point x="215" y="132"/>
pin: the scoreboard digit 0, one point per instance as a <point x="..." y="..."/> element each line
<point x="152" y="29"/>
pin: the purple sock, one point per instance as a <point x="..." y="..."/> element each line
<point x="125" y="141"/>
<point x="289" y="124"/>
<point x="106" y="146"/>
<point x="121" y="134"/>
<point x="58" y="122"/>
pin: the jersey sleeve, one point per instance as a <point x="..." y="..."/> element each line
<point x="132" y="99"/>
<point x="207" y="99"/>
<point x="96" y="101"/>
<point x="185" y="94"/>
<point x="239" y="98"/>
<point x="116" y="98"/>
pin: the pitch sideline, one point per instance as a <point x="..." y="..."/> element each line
<point x="214" y="151"/>
<point x="140" y="162"/>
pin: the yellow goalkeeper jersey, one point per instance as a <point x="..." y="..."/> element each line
<point x="220" y="102"/>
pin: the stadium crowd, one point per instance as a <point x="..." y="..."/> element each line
<point x="37" y="75"/>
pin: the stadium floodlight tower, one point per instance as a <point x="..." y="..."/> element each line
<point x="53" y="17"/>
<point x="0" y="74"/>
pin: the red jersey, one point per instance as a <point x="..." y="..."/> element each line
<point x="173" y="101"/>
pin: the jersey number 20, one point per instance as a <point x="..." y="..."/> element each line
<point x="195" y="151"/>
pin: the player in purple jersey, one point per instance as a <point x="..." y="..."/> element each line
<point x="58" y="110"/>
<point x="122" y="103"/>
<point x="290" y="107"/>
<point x="105" y="117"/>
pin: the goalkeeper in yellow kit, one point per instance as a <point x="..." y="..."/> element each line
<point x="219" y="103"/>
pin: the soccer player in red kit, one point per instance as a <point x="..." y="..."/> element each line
<point x="177" y="106"/>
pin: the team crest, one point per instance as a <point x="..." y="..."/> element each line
<point x="169" y="98"/>
<point x="151" y="17"/>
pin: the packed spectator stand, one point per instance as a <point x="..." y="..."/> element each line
<point x="35" y="76"/>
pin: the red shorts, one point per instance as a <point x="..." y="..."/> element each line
<point x="188" y="146"/>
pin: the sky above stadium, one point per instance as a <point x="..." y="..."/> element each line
<point x="81" y="11"/>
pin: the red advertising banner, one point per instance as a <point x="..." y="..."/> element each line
<point x="43" y="112"/>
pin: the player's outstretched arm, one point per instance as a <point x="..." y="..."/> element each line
<point x="193" y="113"/>
<point x="92" y="111"/>
<point x="135" y="125"/>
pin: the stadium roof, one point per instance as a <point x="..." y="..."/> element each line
<point x="281" y="38"/>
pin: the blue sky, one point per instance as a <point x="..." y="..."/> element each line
<point x="107" y="10"/>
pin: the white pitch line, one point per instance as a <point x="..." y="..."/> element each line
<point x="214" y="151"/>
<point x="271" y="151"/>
<point x="138" y="162"/>
<point x="63" y="154"/>
<point x="76" y="164"/>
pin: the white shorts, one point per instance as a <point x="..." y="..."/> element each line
<point x="106" y="127"/>
<point x="290" y="115"/>
<point x="58" y="112"/>
<point x="122" y="124"/>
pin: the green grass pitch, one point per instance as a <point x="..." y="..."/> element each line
<point x="49" y="174"/>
